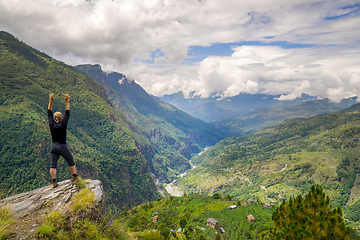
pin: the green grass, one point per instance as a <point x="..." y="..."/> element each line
<point x="5" y="222"/>
<point x="81" y="183"/>
<point x="46" y="230"/>
<point x="83" y="200"/>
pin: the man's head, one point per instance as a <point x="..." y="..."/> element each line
<point x="57" y="117"/>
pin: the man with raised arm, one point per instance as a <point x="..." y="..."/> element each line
<point x="58" y="147"/>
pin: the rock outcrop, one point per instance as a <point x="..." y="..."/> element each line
<point x="28" y="209"/>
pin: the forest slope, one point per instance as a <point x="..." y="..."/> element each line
<point x="103" y="141"/>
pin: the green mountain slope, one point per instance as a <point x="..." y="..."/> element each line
<point x="175" y="135"/>
<point x="285" y="160"/>
<point x="103" y="141"/>
<point x="265" y="117"/>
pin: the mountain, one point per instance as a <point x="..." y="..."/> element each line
<point x="285" y="160"/>
<point x="265" y="117"/>
<point x="215" y="108"/>
<point x="104" y="143"/>
<point x="175" y="135"/>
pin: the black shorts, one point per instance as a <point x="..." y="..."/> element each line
<point x="57" y="150"/>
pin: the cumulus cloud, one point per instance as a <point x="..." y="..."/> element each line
<point x="290" y="72"/>
<point x="149" y="41"/>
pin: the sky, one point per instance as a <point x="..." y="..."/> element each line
<point x="211" y="47"/>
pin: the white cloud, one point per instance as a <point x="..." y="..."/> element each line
<point x="124" y="35"/>
<point x="290" y="72"/>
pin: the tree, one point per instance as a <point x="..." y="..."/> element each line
<point x="183" y="223"/>
<point x="164" y="231"/>
<point x="216" y="196"/>
<point x="310" y="217"/>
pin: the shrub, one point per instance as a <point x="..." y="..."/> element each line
<point x="85" y="229"/>
<point x="151" y="235"/>
<point x="46" y="230"/>
<point x="216" y="196"/>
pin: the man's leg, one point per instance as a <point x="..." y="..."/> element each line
<point x="54" y="157"/>
<point x="72" y="169"/>
<point x="66" y="154"/>
<point x="53" y="173"/>
<point x="73" y="172"/>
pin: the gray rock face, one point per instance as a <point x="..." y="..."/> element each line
<point x="29" y="208"/>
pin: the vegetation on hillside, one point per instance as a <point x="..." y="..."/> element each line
<point x="189" y="217"/>
<point x="103" y="141"/>
<point x="186" y="218"/>
<point x="175" y="135"/>
<point x="285" y="160"/>
<point x="309" y="217"/>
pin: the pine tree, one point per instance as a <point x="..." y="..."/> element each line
<point x="310" y="217"/>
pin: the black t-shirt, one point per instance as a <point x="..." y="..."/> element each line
<point x="58" y="130"/>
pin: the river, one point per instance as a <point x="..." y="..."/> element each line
<point x="177" y="191"/>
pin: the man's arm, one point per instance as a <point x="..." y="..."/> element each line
<point x="51" y="99"/>
<point x="67" y="100"/>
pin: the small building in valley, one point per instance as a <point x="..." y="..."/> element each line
<point x="232" y="207"/>
<point x="251" y="201"/>
<point x="213" y="223"/>
<point x="244" y="204"/>
<point x="250" y="218"/>
<point x="268" y="205"/>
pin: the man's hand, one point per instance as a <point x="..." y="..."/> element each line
<point x="67" y="98"/>
<point x="51" y="97"/>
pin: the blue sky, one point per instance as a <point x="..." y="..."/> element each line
<point x="212" y="47"/>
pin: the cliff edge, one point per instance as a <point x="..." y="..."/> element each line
<point x="30" y="208"/>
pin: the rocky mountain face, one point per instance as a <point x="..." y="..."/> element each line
<point x="28" y="209"/>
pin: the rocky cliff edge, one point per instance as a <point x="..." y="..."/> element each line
<point x="28" y="209"/>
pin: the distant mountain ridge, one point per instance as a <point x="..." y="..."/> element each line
<point x="215" y="108"/>
<point x="265" y="117"/>
<point x="175" y="135"/>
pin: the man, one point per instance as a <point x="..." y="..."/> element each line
<point x="58" y="147"/>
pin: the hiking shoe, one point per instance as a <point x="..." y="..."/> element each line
<point x="55" y="184"/>
<point x="74" y="178"/>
